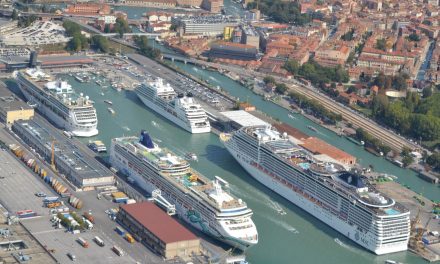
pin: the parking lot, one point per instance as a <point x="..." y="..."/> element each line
<point x="18" y="186"/>
<point x="39" y="33"/>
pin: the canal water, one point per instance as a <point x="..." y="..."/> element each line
<point x="294" y="237"/>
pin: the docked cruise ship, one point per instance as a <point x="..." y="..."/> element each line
<point x="58" y="102"/>
<point x="199" y="201"/>
<point x="342" y="199"/>
<point x="179" y="109"/>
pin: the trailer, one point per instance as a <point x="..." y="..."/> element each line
<point x="99" y="241"/>
<point x="118" y="251"/>
<point x="83" y="242"/>
<point x="120" y="231"/>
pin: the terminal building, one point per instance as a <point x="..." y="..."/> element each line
<point x="158" y="231"/>
<point x="212" y="25"/>
<point x="12" y="109"/>
<point x="82" y="170"/>
<point x="234" y="51"/>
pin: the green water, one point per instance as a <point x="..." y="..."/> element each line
<point x="292" y="238"/>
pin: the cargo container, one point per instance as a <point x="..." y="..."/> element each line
<point x="99" y="241"/>
<point x="117" y="195"/>
<point x="118" y="251"/>
<point x="79" y="205"/>
<point x="83" y="242"/>
<point x="121" y="200"/>
<point x="129" y="238"/>
<point x="51" y="199"/>
<point x="54" y="204"/>
<point x="130" y="201"/>
<point x="48" y="179"/>
<point x="26" y="214"/>
<point x="119" y="230"/>
<point x="66" y="194"/>
<point x="89" y="217"/>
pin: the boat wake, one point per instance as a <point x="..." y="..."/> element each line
<point x="212" y="78"/>
<point x="195" y="69"/>
<point x="126" y="128"/>
<point x="155" y="124"/>
<point x="283" y="225"/>
<point x="342" y="244"/>
<point x="277" y="207"/>
<point x="249" y="194"/>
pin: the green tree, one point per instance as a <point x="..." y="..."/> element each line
<point x="414" y="37"/>
<point x="100" y="43"/>
<point x="434" y="160"/>
<point x="407" y="160"/>
<point x="269" y="80"/>
<point x="427" y="92"/>
<point x="281" y="88"/>
<point x="380" y="105"/>
<point x="426" y="127"/>
<point x="381" y="44"/>
<point x="292" y="66"/>
<point x="14" y="15"/>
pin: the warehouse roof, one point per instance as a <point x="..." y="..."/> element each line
<point x="8" y="101"/>
<point x="318" y="146"/>
<point x="158" y="222"/>
<point x="244" y="119"/>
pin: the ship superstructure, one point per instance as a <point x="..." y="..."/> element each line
<point x="203" y="203"/>
<point x="342" y="199"/>
<point x="58" y="102"/>
<point x="178" y="108"/>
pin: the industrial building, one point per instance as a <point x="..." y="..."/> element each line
<point x="235" y="51"/>
<point x="78" y="167"/>
<point x="204" y="25"/>
<point x="12" y="109"/>
<point x="158" y="231"/>
<point x="12" y="63"/>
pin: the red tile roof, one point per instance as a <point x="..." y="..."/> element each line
<point x="158" y="222"/>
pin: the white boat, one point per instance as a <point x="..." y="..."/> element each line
<point x="58" y="102"/>
<point x="97" y="146"/>
<point x="108" y="102"/>
<point x="205" y="204"/>
<point x="181" y="110"/>
<point x="191" y="156"/>
<point x="341" y="199"/>
<point x="111" y="110"/>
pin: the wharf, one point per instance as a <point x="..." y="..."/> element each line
<point x="407" y="198"/>
<point x="20" y="243"/>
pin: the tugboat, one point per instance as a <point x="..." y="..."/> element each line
<point x="191" y="156"/>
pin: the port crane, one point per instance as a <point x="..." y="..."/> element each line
<point x="52" y="158"/>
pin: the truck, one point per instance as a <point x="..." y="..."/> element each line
<point x="99" y="241"/>
<point x="51" y="199"/>
<point x="118" y="251"/>
<point x="53" y="205"/>
<point x="89" y="216"/>
<point x="129" y="238"/>
<point x="88" y="224"/>
<point x="120" y="231"/>
<point x="83" y="242"/>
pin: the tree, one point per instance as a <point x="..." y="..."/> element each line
<point x="292" y="66"/>
<point x="269" y="80"/>
<point x="350" y="57"/>
<point x="399" y="82"/>
<point x="434" y="160"/>
<point x="380" y="105"/>
<point x="281" y="88"/>
<point x="414" y="37"/>
<point x="14" y="15"/>
<point x="381" y="44"/>
<point x="100" y="43"/>
<point x="427" y="92"/>
<point x="145" y="49"/>
<point x="407" y="160"/>
<point x="351" y="89"/>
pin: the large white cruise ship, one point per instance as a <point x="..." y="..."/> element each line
<point x="199" y="201"/>
<point x="179" y="109"/>
<point x="58" y="102"/>
<point x="343" y="200"/>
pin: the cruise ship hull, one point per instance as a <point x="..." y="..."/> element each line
<point x="211" y="228"/>
<point x="173" y="118"/>
<point x="365" y="240"/>
<point x="67" y="125"/>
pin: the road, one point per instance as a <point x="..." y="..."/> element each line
<point x="386" y="136"/>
